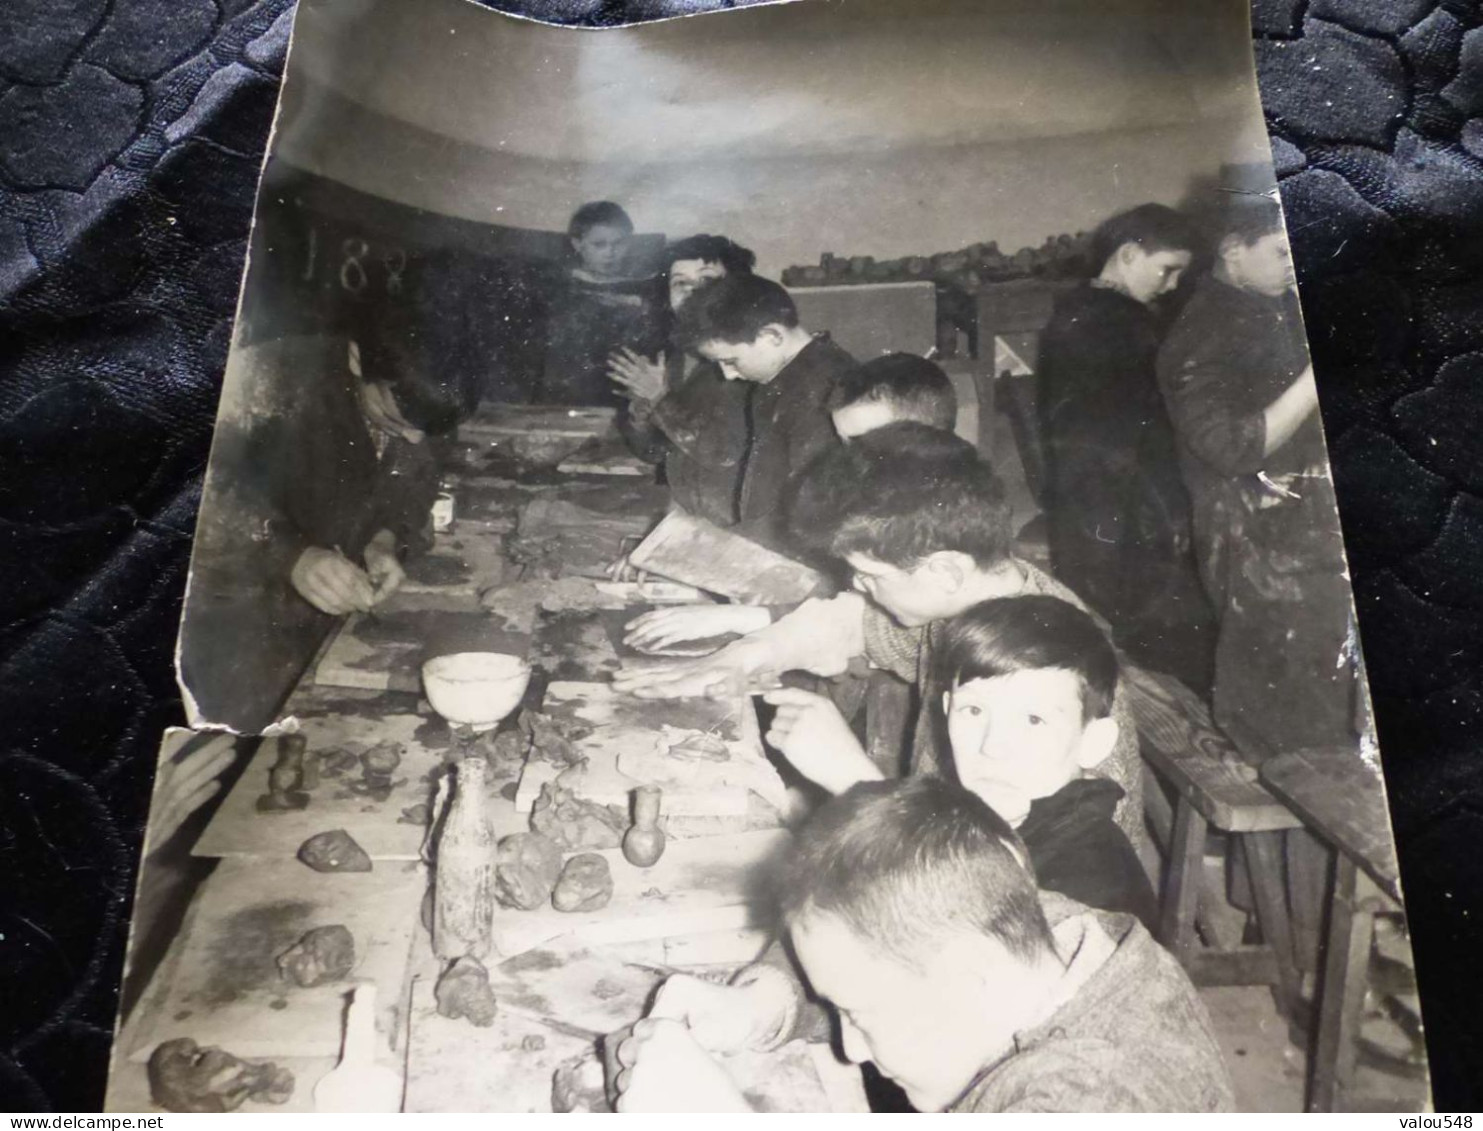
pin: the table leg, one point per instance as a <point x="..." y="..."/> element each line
<point x="1341" y="990"/>
<point x="1182" y="889"/>
<point x="1264" y="867"/>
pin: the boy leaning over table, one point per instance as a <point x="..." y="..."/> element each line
<point x="910" y="909"/>
<point x="923" y="524"/>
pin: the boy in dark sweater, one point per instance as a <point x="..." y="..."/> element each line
<point x="1025" y="687"/>
<point x="911" y="911"/>
<point x="748" y="326"/>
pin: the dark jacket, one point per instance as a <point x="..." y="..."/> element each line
<point x="1118" y="515"/>
<point x="1078" y="850"/>
<point x="585" y="321"/>
<point x="790" y="427"/>
<point x="699" y="432"/>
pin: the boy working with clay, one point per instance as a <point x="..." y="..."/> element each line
<point x="924" y="526"/>
<point x="910" y="909"/>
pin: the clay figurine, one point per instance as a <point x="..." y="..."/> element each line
<point x="286" y="778"/>
<point x="322" y="955"/>
<point x="586" y="884"/>
<point x="526" y="869"/>
<point x="643" y="844"/>
<point x="463" y="874"/>
<point x="463" y="991"/>
<point x="334" y="851"/>
<point x="575" y="824"/>
<point x="185" y="1077"/>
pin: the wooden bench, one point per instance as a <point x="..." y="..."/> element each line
<point x="1342" y="799"/>
<point x="1184" y="749"/>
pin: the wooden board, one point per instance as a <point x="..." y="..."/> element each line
<point x="697" y="886"/>
<point x="624" y="748"/>
<point x="605" y="455"/>
<point x="1342" y="799"/>
<point x="689" y="549"/>
<point x="577" y="644"/>
<point x="507" y="1067"/>
<point x="385" y="651"/>
<point x="564" y="538"/>
<point x="225" y="989"/>
<point x="353" y="723"/>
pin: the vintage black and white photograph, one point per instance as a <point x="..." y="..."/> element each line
<point x="779" y="560"/>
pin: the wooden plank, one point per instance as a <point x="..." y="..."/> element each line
<point x="352" y="722"/>
<point x="626" y="742"/>
<point x="1341" y="992"/>
<point x="696" y="552"/>
<point x="1226" y="797"/>
<point x="226" y="989"/>
<point x="385" y="651"/>
<point x="697" y="886"/>
<point x="1342" y="798"/>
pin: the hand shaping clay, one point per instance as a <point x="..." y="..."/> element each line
<point x="575" y="824"/>
<point x="322" y="955"/>
<point x="463" y="991"/>
<point x="185" y="1077"/>
<point x="526" y="870"/>
<point x="334" y="851"/>
<point x="586" y="884"/>
<point x="577" y="1085"/>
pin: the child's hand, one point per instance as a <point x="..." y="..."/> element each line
<point x="331" y="582"/>
<point x="665" y="1070"/>
<point x="637" y="376"/>
<point x="811" y="733"/>
<point x="664" y="627"/>
<point x="383" y="567"/>
<point x="726" y="1019"/>
<point x="725" y="674"/>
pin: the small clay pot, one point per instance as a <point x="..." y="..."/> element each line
<point x="643" y="844"/>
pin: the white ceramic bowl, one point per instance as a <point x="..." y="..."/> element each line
<point x="475" y="689"/>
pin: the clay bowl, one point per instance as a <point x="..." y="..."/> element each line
<point x="475" y="689"/>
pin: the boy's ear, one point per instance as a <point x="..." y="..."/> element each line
<point x="1097" y="740"/>
<point x="1127" y="253"/>
<point x="773" y="334"/>
<point x="947" y="698"/>
<point x="950" y="567"/>
<point x="1228" y="247"/>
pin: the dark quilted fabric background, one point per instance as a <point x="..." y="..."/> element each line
<point x="131" y="133"/>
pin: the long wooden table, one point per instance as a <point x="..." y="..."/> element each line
<point x="561" y="981"/>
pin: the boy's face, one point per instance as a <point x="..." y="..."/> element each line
<point x="861" y="417"/>
<point x="687" y="274"/>
<point x="1019" y="737"/>
<point x="917" y="1027"/>
<point x="1149" y="274"/>
<point x="1264" y="267"/>
<point x="758" y="361"/>
<point x="941" y="585"/>
<point x="602" y="249"/>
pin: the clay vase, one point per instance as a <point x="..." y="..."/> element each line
<point x="643" y="844"/>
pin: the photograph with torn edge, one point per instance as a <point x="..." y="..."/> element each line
<point x="778" y="560"/>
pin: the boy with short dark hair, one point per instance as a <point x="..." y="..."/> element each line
<point x="1022" y="688"/>
<point x="924" y="525"/>
<point x="892" y="388"/>
<point x="748" y="326"/>
<point x="910" y="909"/>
